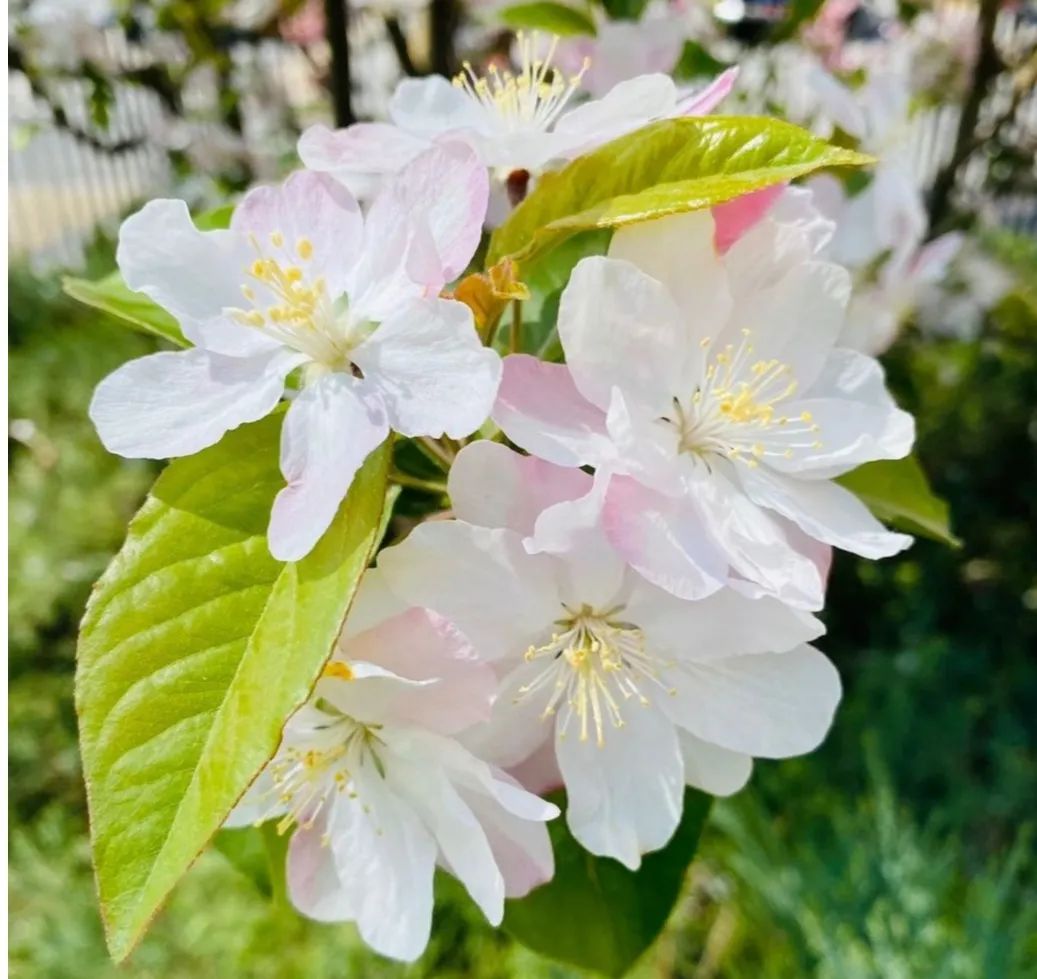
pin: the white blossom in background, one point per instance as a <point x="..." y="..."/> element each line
<point x="303" y="282"/>
<point x="379" y="791"/>
<point x="622" y="49"/>
<point x="516" y="121"/>
<point x="710" y="395"/>
<point x="638" y="692"/>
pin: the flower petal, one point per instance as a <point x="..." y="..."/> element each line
<point x="482" y="580"/>
<point x="796" y="319"/>
<point x="713" y="769"/>
<point x="756" y="546"/>
<point x="359" y="156"/>
<point x="307" y="207"/>
<point x="385" y="859"/>
<point x="493" y="486"/>
<point x="463" y="846"/>
<point x="620" y="328"/>
<point x="195" y="275"/>
<point x="857" y="418"/>
<point x="420" y="645"/>
<point x="825" y="511"/>
<point x="720" y="626"/>
<point x="521" y="848"/>
<point x="733" y="219"/>
<point x="174" y="404"/>
<point x="679" y="251"/>
<point x="703" y="101"/>
<point x="430" y="370"/>
<point x="539" y="408"/>
<point x="447" y="189"/>
<point x="330" y="429"/>
<point x="431" y="106"/>
<point x="769" y="705"/>
<point x="625" y="795"/>
<point x="627" y="106"/>
<point x="666" y="540"/>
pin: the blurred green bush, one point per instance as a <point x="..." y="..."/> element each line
<point x="900" y="850"/>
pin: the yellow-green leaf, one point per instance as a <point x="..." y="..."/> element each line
<point x="195" y="648"/>
<point x="111" y="295"/>
<point x="542" y="15"/>
<point x="668" y="167"/>
<point x="896" y="491"/>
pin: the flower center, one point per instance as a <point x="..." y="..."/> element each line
<point x="291" y="304"/>
<point x="306" y="777"/>
<point x="734" y="411"/>
<point x="594" y="665"/>
<point x="529" y="101"/>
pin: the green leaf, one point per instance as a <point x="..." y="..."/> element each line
<point x="111" y="295"/>
<point x="555" y="18"/>
<point x="246" y="851"/>
<point x="595" y="913"/>
<point x="216" y="219"/>
<point x="546" y="277"/>
<point x="625" y="9"/>
<point x="897" y="492"/>
<point x="668" y="167"/>
<point x="195" y="648"/>
<point x="695" y="61"/>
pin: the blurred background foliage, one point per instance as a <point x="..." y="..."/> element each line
<point x="904" y="847"/>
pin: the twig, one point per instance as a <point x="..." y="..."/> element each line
<point x="399" y="44"/>
<point x="414" y="482"/>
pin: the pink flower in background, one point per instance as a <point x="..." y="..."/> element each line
<point x="524" y="120"/>
<point x="638" y="693"/>
<point x="303" y="281"/>
<point x="380" y="792"/>
<point x="709" y="394"/>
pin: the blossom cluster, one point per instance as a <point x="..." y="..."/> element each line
<point x="622" y="601"/>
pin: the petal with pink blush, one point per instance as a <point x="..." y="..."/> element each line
<point x="447" y="189"/>
<point x="737" y="216"/>
<point x="482" y="580"/>
<point x="330" y="429"/>
<point x="420" y="645"/>
<point x="667" y="541"/>
<point x="521" y="848"/>
<point x="703" y="101"/>
<point x="493" y="486"/>
<point x="757" y="547"/>
<point x="359" y="156"/>
<point x="315" y="219"/>
<point x="539" y="408"/>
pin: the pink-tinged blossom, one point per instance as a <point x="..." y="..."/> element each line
<point x="302" y="281"/>
<point x="379" y="791"/>
<point x="522" y="120"/>
<point x="710" y="395"/>
<point x="624" y="691"/>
